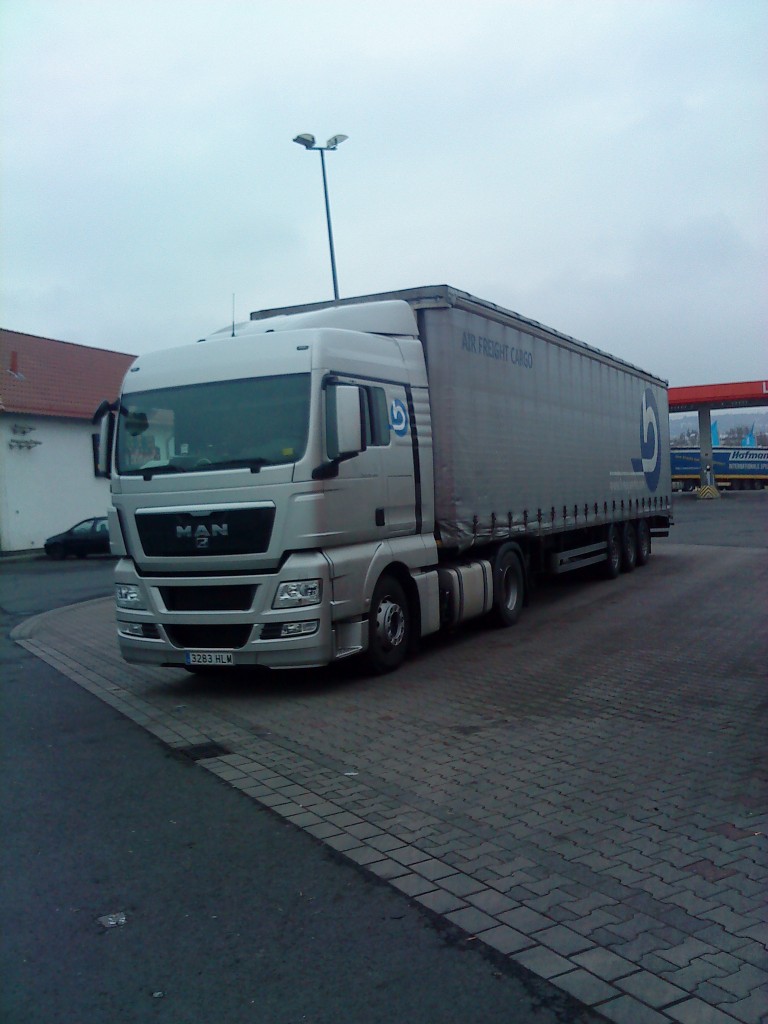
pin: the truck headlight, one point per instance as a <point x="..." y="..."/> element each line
<point x="129" y="596"/>
<point x="298" y="594"/>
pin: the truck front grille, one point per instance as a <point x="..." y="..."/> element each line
<point x="209" y="637"/>
<point x="233" y="531"/>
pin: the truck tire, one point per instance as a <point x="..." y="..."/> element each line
<point x="508" y="589"/>
<point x="628" y="547"/>
<point x="389" y="626"/>
<point x="612" y="565"/>
<point x="643" y="542"/>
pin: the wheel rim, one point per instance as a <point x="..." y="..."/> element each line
<point x="390" y="623"/>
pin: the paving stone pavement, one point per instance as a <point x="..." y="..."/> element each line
<point x="585" y="793"/>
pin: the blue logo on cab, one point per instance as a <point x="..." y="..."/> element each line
<point x="398" y="417"/>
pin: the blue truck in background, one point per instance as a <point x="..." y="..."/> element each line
<point x="740" y="469"/>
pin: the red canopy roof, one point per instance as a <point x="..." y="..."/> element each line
<point x="719" y="396"/>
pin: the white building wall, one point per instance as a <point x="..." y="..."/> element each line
<point x="46" y="487"/>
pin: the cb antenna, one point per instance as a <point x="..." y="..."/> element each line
<point x="233" y="314"/>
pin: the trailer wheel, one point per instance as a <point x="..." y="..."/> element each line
<point x="508" y="589"/>
<point x="612" y="566"/>
<point x="643" y="542"/>
<point x="628" y="547"/>
<point x="389" y="626"/>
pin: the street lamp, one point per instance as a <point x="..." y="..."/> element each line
<point x="308" y="142"/>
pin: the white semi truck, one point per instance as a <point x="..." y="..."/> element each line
<point x="344" y="478"/>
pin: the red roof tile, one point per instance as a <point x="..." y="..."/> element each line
<point x="57" y="378"/>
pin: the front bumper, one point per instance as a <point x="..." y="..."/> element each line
<point x="230" y="614"/>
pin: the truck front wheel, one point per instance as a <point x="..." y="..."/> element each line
<point x="389" y="626"/>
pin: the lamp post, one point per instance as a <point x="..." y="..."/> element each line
<point x="308" y="142"/>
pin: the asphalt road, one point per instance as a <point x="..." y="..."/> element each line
<point x="736" y="520"/>
<point x="231" y="914"/>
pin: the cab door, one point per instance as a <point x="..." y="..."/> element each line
<point x="374" y="494"/>
<point x="398" y="463"/>
<point x="356" y="495"/>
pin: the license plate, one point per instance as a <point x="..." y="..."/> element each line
<point x="214" y="658"/>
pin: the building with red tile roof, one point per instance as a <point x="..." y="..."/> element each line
<point x="49" y="391"/>
<point x="57" y="378"/>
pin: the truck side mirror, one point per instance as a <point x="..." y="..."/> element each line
<point x="106" y="421"/>
<point x="349" y="421"/>
<point x="344" y="434"/>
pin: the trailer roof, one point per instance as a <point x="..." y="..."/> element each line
<point x="441" y="296"/>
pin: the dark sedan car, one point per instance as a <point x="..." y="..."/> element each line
<point x="90" y="537"/>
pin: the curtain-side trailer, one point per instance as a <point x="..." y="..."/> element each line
<point x="343" y="478"/>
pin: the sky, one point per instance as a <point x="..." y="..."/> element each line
<point x="597" y="165"/>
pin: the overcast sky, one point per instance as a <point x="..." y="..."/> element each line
<point x="597" y="165"/>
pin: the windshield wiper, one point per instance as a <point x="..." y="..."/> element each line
<point x="150" y="471"/>
<point x="255" y="466"/>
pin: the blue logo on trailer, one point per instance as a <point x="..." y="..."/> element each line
<point x="649" y="462"/>
<point x="398" y="417"/>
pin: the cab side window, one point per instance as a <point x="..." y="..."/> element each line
<point x="377" y="418"/>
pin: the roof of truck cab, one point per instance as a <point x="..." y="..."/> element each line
<point x="387" y="316"/>
<point x="291" y="349"/>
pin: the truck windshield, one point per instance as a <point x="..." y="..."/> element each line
<point x="250" y="423"/>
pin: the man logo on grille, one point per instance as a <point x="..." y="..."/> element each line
<point x="201" y="534"/>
